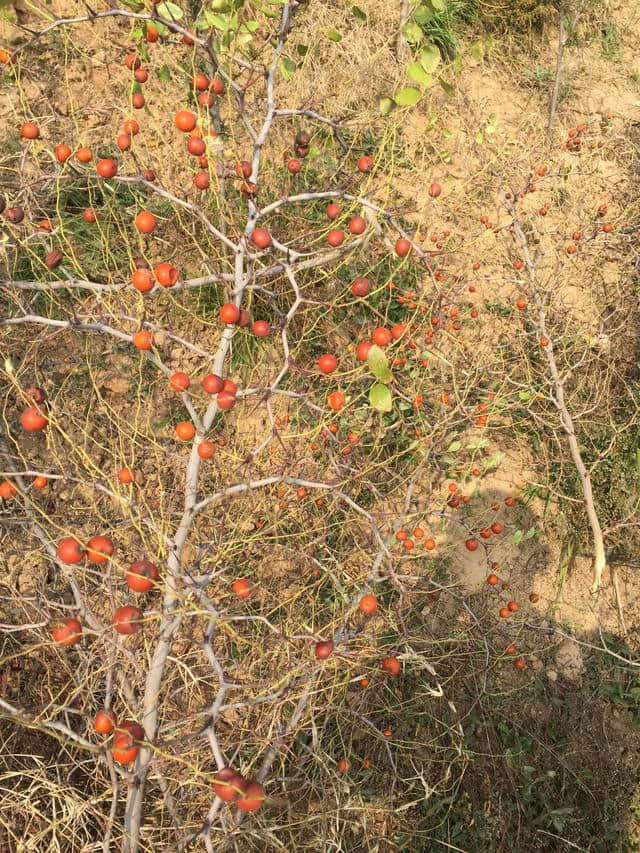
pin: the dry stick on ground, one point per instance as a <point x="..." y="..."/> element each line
<point x="559" y="402"/>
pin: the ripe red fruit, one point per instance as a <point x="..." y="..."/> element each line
<point x="251" y="798"/>
<point x="391" y="665"/>
<point x="104" y="722"/>
<point x="228" y="784"/>
<point x="127" y="619"/>
<point x="106" y="168"/>
<point x="333" y="210"/>
<point x="217" y="86"/>
<point x="261" y="238"/>
<point x="145" y="222"/>
<point x="185" y="430"/>
<point x="261" y="329"/>
<point x="244" y="318"/>
<point x="30" y="130"/>
<point x="202" y="180"/>
<point x="212" y="383"/>
<point x="132" y="61"/>
<point x="142" y="280"/>
<point x="365" y="163"/>
<point x="362" y="350"/>
<point x="196" y="146"/>
<point x="504" y="612"/>
<point x="335" y="238"/>
<point x="336" y="401"/>
<point x="84" y="155"/>
<point x="294" y="166"/>
<point x="32" y="420"/>
<point x="434" y="190"/>
<point x="185" y="121"/>
<point x="398" y="331"/>
<point x="513" y="606"/>
<point x="493" y="580"/>
<point x="70" y="551"/>
<point x="200" y="82"/>
<point x="497" y="527"/>
<point x="243" y="169"/>
<point x="226" y="400"/>
<point x="151" y="34"/>
<point x="131" y="127"/>
<point x="166" y="274"/>
<point x="143" y="339"/>
<point x="125" y="475"/>
<point x="368" y="604"/>
<point x="327" y="363"/>
<point x="229" y="314"/>
<point x="471" y="544"/>
<point x="7" y="490"/>
<point x="40" y="482"/>
<point x="360" y="287"/>
<point x="206" y="450"/>
<point x="343" y="765"/>
<point x="179" y="381"/>
<point x="357" y="225"/>
<point x="520" y="663"/>
<point x="125" y="740"/>
<point x="62" y="153"/>
<point x="35" y="395"/>
<point x="142" y="576"/>
<point x="68" y="633"/>
<point x="324" y="649"/>
<point x="241" y="588"/>
<point x="123" y="141"/>
<point x="381" y="336"/>
<point x="99" y="549"/>
<point x="402" y="247"/>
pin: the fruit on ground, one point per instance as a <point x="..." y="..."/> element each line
<point x="336" y="400"/>
<point x="368" y="604"/>
<point x="241" y="587"/>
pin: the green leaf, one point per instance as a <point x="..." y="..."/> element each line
<point x="220" y="22"/>
<point x="423" y="14"/>
<point x="477" y="50"/>
<point x="380" y="398"/>
<point x="430" y="58"/>
<point x="437" y="5"/>
<point x="417" y="73"/>
<point x="447" y="87"/>
<point x="517" y="537"/>
<point x="251" y="26"/>
<point x="314" y="151"/>
<point x="408" y="97"/>
<point x="302" y="49"/>
<point x="531" y="532"/>
<point x="137" y="34"/>
<point x="412" y="33"/>
<point x="454" y="447"/>
<point x="169" y="11"/>
<point x="164" y="74"/>
<point x="378" y="364"/>
<point x="479" y="137"/>
<point x="333" y="35"/>
<point x="287" y="67"/>
<point x="386" y="106"/>
<point x="358" y="13"/>
<point x="525" y="396"/>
